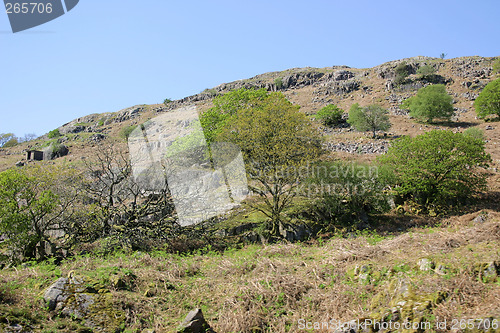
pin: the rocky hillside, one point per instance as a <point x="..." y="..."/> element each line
<point x="311" y="88"/>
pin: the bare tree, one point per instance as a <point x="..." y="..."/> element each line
<point x="120" y="205"/>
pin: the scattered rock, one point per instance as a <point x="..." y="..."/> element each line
<point x="480" y="218"/>
<point x="84" y="299"/>
<point x="195" y="323"/>
<point x="358" y="148"/>
<point x="98" y="137"/>
<point x="425" y="264"/>
<point x="489" y="127"/>
<point x="20" y="164"/>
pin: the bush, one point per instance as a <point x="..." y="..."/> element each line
<point x="429" y="103"/>
<point x="475" y="133"/>
<point x="496" y="66"/>
<point x="401" y="73"/>
<point x="428" y="73"/>
<point x="349" y="192"/>
<point x="370" y="118"/>
<point x="278" y="82"/>
<point x="167" y="101"/>
<point x="11" y="143"/>
<point x="330" y="115"/>
<point x="488" y="101"/>
<point x="57" y="150"/>
<point x="126" y="131"/>
<point x="438" y="167"/>
<point x="54" y="134"/>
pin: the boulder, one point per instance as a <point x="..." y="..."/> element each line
<point x="85" y="300"/>
<point x="195" y="323"/>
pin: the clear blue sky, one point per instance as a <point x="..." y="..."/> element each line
<point x="106" y="55"/>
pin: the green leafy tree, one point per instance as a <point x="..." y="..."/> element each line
<point x="430" y="102"/>
<point x="437" y="167"/>
<point x="369" y="118"/>
<point x="11" y="143"/>
<point x="330" y="115"/>
<point x="276" y="140"/>
<point x="488" y="101"/>
<point x="225" y="106"/>
<point x="33" y="202"/>
<point x="167" y="101"/>
<point x="6" y="137"/>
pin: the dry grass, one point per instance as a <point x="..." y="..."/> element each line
<point x="270" y="288"/>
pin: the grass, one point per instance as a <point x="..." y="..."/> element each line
<point x="261" y="288"/>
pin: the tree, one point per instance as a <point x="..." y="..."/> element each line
<point x="429" y="103"/>
<point x="34" y="202"/>
<point x="276" y="140"/>
<point x="120" y="206"/>
<point x="437" y="167"/>
<point x="225" y="106"/>
<point x="330" y="115"/>
<point x="370" y="118"/>
<point x="6" y="137"/>
<point x="488" y="101"/>
<point x="13" y="141"/>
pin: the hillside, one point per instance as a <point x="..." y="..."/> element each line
<point x="400" y="266"/>
<point x="311" y="88"/>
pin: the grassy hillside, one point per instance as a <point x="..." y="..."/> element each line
<point x="404" y="266"/>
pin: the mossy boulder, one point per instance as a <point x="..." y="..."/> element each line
<point x="399" y="302"/>
<point x="85" y="300"/>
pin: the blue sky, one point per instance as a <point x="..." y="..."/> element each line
<point x="110" y="54"/>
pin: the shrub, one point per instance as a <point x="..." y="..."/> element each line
<point x="126" y="131"/>
<point x="475" y="133"/>
<point x="330" y="115"/>
<point x="6" y="137"/>
<point x="278" y="82"/>
<point x="167" y="101"/>
<point x="428" y="73"/>
<point x="54" y="134"/>
<point x="401" y="73"/>
<point x="57" y="150"/>
<point x="349" y="192"/>
<point x="496" y="66"/>
<point x="488" y="101"/>
<point x="370" y="118"/>
<point x="11" y="143"/>
<point x="437" y="167"/>
<point x="429" y="103"/>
